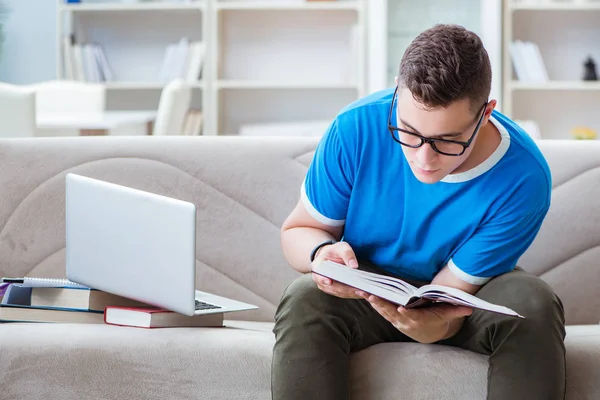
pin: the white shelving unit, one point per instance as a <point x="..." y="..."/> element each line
<point x="300" y="6"/>
<point x="266" y="61"/>
<point x="106" y="6"/>
<point x="393" y="24"/>
<point x="283" y="61"/>
<point x="566" y="32"/>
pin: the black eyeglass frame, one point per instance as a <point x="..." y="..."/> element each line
<point x="431" y="141"/>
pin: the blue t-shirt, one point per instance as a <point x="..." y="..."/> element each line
<point x="478" y="222"/>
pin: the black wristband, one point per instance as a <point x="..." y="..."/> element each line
<point x="313" y="253"/>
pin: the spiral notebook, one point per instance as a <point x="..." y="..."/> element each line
<point x="29" y="281"/>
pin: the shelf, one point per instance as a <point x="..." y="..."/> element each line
<point x="565" y="6"/>
<point x="274" y="38"/>
<point x="144" y="85"/>
<point x="238" y="84"/>
<point x="265" y="5"/>
<point x="150" y="6"/>
<point x="556" y="85"/>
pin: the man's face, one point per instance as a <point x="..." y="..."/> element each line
<point x="456" y="122"/>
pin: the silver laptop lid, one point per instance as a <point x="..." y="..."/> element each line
<point x="132" y="243"/>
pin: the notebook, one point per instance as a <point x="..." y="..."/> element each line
<point x="136" y="244"/>
<point x="43" y="282"/>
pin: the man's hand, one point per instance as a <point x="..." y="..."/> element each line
<point x="341" y="253"/>
<point x="425" y="325"/>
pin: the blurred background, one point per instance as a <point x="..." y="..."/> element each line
<point x="275" y="67"/>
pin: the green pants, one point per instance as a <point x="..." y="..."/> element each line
<point x="315" y="334"/>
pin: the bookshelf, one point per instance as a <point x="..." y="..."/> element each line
<point x="393" y="24"/>
<point x="566" y="33"/>
<point x="276" y="61"/>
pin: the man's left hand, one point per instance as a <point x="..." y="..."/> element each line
<point x="425" y="325"/>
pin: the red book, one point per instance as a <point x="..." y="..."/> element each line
<point x="151" y="317"/>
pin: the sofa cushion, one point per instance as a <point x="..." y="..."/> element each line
<point x="110" y="362"/>
<point x="106" y="362"/>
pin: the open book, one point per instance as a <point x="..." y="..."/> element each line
<point x="402" y="293"/>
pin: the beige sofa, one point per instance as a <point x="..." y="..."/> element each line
<point x="244" y="189"/>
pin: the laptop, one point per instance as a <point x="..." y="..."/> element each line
<point x="137" y="245"/>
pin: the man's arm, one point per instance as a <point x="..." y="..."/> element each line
<point x="300" y="233"/>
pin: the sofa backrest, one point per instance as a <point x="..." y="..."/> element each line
<point x="566" y="252"/>
<point x="244" y="188"/>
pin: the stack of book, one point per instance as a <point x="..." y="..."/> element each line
<point x="528" y="62"/>
<point x="61" y="301"/>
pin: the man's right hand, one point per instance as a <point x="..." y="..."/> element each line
<point x="341" y="253"/>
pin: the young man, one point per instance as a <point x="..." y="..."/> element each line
<point x="454" y="195"/>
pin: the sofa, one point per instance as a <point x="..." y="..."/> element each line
<point x="244" y="187"/>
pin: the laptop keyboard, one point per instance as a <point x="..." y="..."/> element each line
<point x="200" y="305"/>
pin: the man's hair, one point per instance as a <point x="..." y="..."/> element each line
<point x="444" y="64"/>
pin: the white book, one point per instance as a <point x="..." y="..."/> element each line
<point x="519" y="62"/>
<point x="196" y="123"/>
<point x="179" y="63"/>
<point x="166" y="68"/>
<point x="403" y="293"/>
<point x="91" y="68"/>
<point x="195" y="60"/>
<point x="68" y="58"/>
<point x="541" y="74"/>
<point x="105" y="70"/>
<point x="531" y="61"/>
<point x="79" y="73"/>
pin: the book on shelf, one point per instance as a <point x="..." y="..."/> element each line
<point x="183" y="60"/>
<point x="528" y="62"/>
<point x="403" y="293"/>
<point x="85" y="62"/>
<point x="192" y="124"/>
<point x="152" y="317"/>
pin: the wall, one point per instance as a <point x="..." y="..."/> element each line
<point x="29" y="48"/>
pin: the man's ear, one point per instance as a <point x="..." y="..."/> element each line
<point x="396" y="80"/>
<point x="490" y="107"/>
<point x="488" y="111"/>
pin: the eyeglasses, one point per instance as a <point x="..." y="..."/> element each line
<point x="441" y="146"/>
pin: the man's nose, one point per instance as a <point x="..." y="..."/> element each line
<point x="426" y="154"/>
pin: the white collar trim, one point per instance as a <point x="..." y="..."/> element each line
<point x="485" y="166"/>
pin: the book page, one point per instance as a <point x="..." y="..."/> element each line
<point x="388" y="280"/>
<point x="452" y="295"/>
<point x="356" y="278"/>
